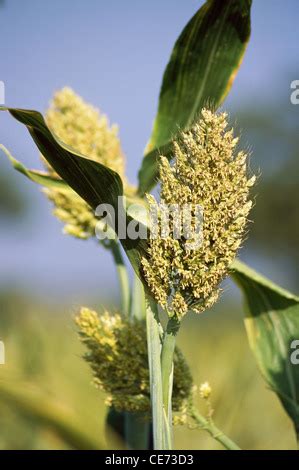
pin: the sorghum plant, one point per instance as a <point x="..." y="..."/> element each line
<point x="194" y="154"/>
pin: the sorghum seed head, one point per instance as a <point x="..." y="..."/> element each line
<point x="71" y="209"/>
<point x="117" y="354"/>
<point x="207" y="171"/>
<point x="86" y="130"/>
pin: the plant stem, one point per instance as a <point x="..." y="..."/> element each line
<point x="154" y="354"/>
<point x="122" y="276"/>
<point x="132" y="433"/>
<point x="209" y="426"/>
<point x="168" y="347"/>
<point x="137" y="304"/>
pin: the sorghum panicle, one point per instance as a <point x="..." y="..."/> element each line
<point x="207" y="171"/>
<point x="86" y="130"/>
<point x="117" y="354"/>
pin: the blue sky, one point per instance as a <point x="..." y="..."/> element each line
<point x="113" y="53"/>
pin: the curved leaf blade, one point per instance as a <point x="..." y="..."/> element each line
<point x="39" y="177"/>
<point x="202" y="67"/>
<point x="94" y="182"/>
<point x="272" y="323"/>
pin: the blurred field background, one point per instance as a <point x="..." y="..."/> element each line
<point x="117" y="64"/>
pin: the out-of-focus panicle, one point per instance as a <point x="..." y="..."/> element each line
<point x="78" y="217"/>
<point x="117" y="354"/>
<point x="82" y="127"/>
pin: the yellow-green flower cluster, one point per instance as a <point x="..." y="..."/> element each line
<point x="71" y="209"/>
<point x="205" y="390"/>
<point x="117" y="354"/>
<point x="82" y="127"/>
<point x="207" y="171"/>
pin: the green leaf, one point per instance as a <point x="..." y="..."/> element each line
<point x="94" y="182"/>
<point x="36" y="176"/>
<point x="272" y="323"/>
<point x="203" y="64"/>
